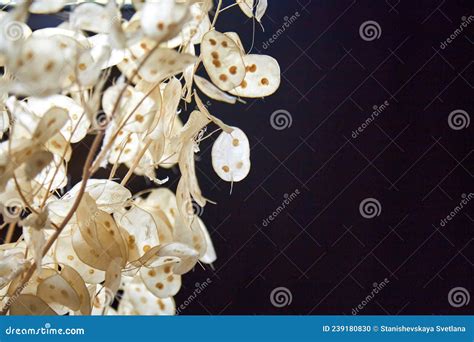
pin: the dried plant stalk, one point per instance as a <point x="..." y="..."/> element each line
<point x="78" y="249"/>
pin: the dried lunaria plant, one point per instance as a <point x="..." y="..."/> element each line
<point x="78" y="250"/>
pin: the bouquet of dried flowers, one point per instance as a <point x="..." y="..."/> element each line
<point x="78" y="249"/>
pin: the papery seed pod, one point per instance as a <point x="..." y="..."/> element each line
<point x="98" y="241"/>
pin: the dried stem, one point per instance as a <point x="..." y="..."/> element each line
<point x="136" y="161"/>
<point x="11" y="229"/>
<point x="219" y="5"/>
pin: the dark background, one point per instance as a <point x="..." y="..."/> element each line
<point x="320" y="248"/>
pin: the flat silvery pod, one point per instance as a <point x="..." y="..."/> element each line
<point x="261" y="9"/>
<point x="192" y="236"/>
<point x="31" y="287"/>
<point x="210" y="254"/>
<point x="162" y="20"/>
<point x="91" y="17"/>
<point x="236" y="38"/>
<point x="141" y="227"/>
<point x="65" y="254"/>
<point x="231" y="156"/>
<point x="56" y="289"/>
<point x="50" y="124"/>
<point x="163" y="199"/>
<point x="161" y="280"/>
<point x="223" y="60"/>
<point x="77" y="283"/>
<point x="194" y="29"/>
<point x="188" y="256"/>
<point x="138" y="300"/>
<point x="246" y="6"/>
<point x="262" y="77"/>
<point x="28" y="304"/>
<point x="38" y="67"/>
<point x="107" y="194"/>
<point x="165" y="63"/>
<point x="78" y="124"/>
<point x="47" y="6"/>
<point x="99" y="42"/>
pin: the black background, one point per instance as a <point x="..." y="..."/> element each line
<point x="409" y="159"/>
